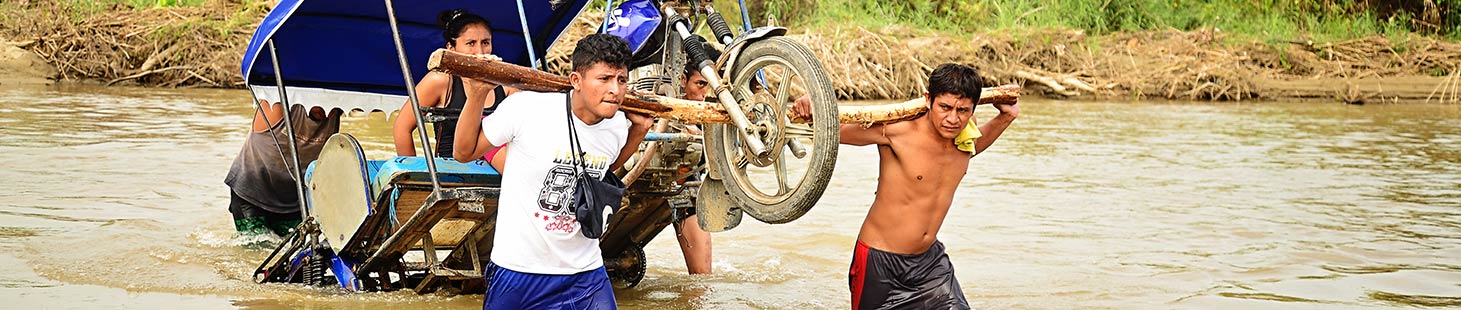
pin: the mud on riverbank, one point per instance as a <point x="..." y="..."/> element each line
<point x="202" y="46"/>
<point x="118" y="45"/>
<point x="1199" y="65"/>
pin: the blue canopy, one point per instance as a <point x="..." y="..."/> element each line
<point x="339" y="53"/>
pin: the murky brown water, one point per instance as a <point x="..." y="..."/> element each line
<point x="113" y="197"/>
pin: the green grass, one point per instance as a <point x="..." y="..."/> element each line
<point x="1265" y="20"/>
<point x="147" y="4"/>
<point x="78" y="10"/>
<point x="93" y="6"/>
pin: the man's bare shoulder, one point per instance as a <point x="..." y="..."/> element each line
<point x="900" y="128"/>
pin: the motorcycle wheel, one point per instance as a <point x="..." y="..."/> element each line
<point x="781" y="185"/>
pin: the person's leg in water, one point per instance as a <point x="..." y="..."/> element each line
<point x="281" y="223"/>
<point x="245" y="221"/>
<point x="694" y="244"/>
<point x="249" y="219"/>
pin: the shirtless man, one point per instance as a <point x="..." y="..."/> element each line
<point x="898" y="262"/>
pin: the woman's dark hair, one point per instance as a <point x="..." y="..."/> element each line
<point x="956" y="79"/>
<point x="453" y="21"/>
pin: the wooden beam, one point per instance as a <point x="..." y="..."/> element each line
<point x="523" y="78"/>
<point x="497" y="72"/>
<point x="911" y="109"/>
<point x="688" y="111"/>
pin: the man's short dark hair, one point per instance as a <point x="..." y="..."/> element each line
<point x="608" y="49"/>
<point x="956" y="79"/>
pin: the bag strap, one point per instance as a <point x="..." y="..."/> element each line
<point x="574" y="146"/>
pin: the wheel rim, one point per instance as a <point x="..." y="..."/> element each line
<point x="767" y="98"/>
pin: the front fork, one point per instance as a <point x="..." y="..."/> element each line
<point x="737" y="116"/>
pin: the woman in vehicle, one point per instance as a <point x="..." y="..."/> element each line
<point x="465" y="33"/>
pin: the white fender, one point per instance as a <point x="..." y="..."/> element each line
<point x="734" y="49"/>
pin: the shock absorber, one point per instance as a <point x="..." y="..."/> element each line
<point x="696" y="50"/>
<point x="692" y="43"/>
<point x="314" y="270"/>
<point x="309" y="274"/>
<point x="718" y="26"/>
<point x="723" y="34"/>
<point x="738" y="116"/>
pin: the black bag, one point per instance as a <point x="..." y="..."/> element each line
<point x="594" y="200"/>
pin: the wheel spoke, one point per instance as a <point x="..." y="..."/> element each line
<point x="781" y="187"/>
<point x="793" y="131"/>
<point x="783" y="89"/>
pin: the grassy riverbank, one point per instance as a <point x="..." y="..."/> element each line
<point x="1268" y="20"/>
<point x="1351" y="51"/>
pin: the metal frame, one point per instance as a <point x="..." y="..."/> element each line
<point x="467" y="202"/>
<point x="608" y="11"/>
<point x="737" y="116"/>
<point x="298" y="172"/>
<point x="411" y="93"/>
<point x="527" y="35"/>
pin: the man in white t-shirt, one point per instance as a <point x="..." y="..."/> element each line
<point x="540" y="259"/>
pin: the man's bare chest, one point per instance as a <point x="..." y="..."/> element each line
<point x="933" y="165"/>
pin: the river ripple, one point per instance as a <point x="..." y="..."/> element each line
<point x="114" y="198"/>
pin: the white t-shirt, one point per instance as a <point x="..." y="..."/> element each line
<point x="537" y="231"/>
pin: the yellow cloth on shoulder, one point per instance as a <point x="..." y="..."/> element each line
<point x="965" y="140"/>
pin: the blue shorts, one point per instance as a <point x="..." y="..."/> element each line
<point x="509" y="290"/>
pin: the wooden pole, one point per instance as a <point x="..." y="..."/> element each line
<point x="515" y="76"/>
<point x="688" y="111"/>
<point x="911" y="109"/>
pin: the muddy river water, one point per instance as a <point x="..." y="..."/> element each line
<point x="113" y="198"/>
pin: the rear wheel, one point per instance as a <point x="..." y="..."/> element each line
<point x="785" y="182"/>
<point x="629" y="269"/>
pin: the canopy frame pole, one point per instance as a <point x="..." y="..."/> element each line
<point x="259" y="110"/>
<point x="527" y="35"/>
<point x="415" y="102"/>
<point x="289" y="130"/>
<point x="608" y="11"/>
<point x="745" y="18"/>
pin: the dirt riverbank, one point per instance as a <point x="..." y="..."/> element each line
<point x="201" y="47"/>
<point x="117" y="45"/>
<point x="22" y="67"/>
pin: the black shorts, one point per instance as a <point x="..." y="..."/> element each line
<point x="882" y="280"/>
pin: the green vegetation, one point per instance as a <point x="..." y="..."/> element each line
<point x="81" y="9"/>
<point x="1268" y="20"/>
<point x="135" y="4"/>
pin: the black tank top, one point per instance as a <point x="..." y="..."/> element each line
<point x="446" y="131"/>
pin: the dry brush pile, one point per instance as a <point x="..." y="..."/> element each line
<point x="188" y="46"/>
<point x="894" y="63"/>
<point x="202" y="46"/>
<point x="1203" y="65"/>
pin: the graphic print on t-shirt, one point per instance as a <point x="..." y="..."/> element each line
<point x="556" y="198"/>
